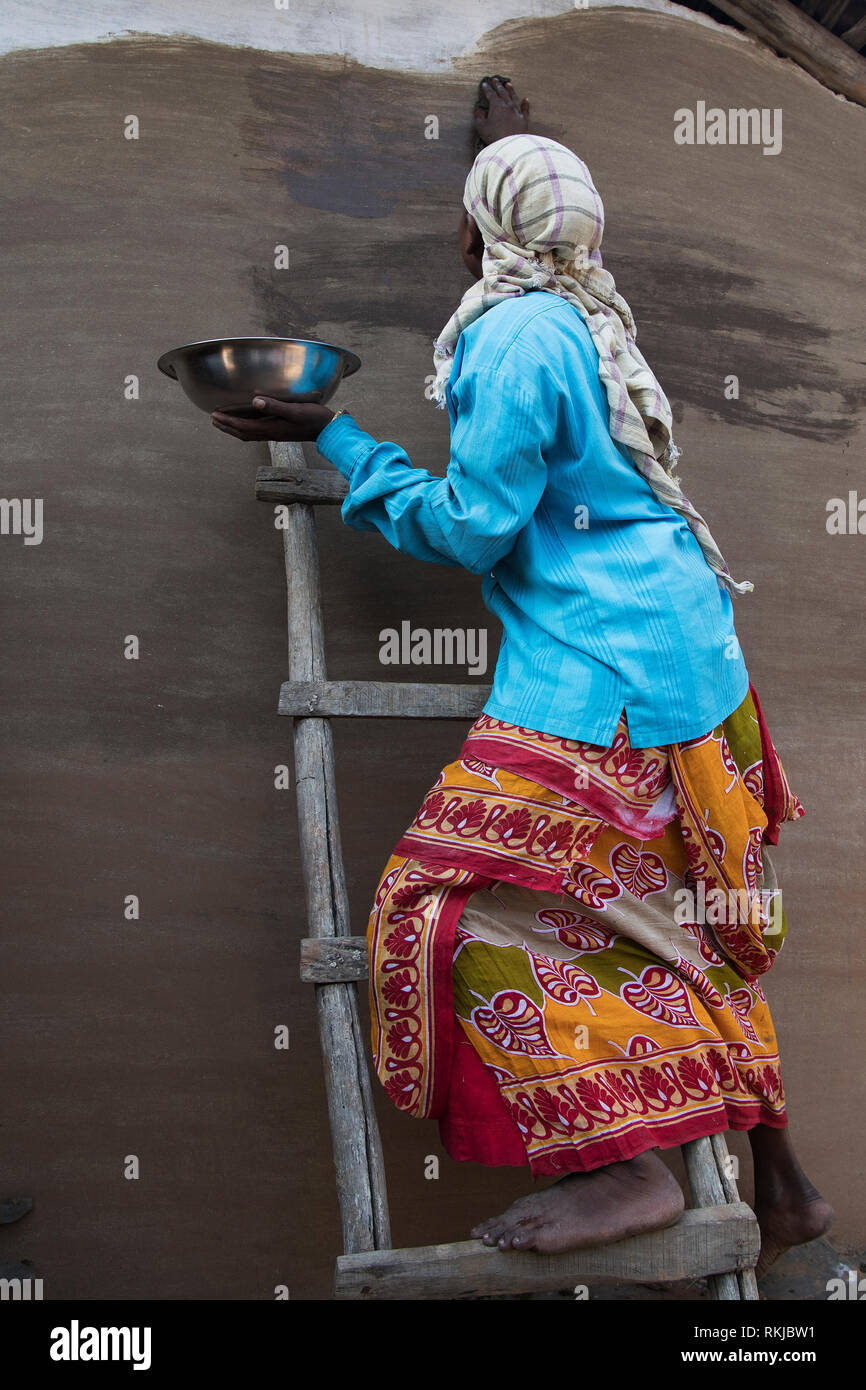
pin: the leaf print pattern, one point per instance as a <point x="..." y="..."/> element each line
<point x="659" y="994"/>
<point x="705" y="990"/>
<point x="640" y="1046"/>
<point x="591" y="886"/>
<point x="575" y="930"/>
<point x="562" y="981"/>
<point x="740" y="1000"/>
<point x="639" y="873"/>
<point x="513" y="1023"/>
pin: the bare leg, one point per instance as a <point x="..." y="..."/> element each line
<point x="608" y="1204"/>
<point x="789" y="1209"/>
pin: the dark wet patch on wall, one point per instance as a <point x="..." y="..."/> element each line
<point x="374" y="282"/>
<point x="348" y="141"/>
<point x="706" y="322"/>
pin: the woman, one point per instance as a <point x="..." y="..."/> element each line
<point x="567" y="943"/>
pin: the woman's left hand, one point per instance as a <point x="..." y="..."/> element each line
<point x="505" y="113"/>
<point x="291" y="420"/>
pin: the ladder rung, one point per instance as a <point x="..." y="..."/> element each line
<point x="711" y="1240"/>
<point x="381" y="700"/>
<point x="334" y="959"/>
<point x="274" y="484"/>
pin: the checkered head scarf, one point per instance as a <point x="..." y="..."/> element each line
<point x="542" y="220"/>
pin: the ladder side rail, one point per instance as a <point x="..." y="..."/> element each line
<point x="357" y="1148"/>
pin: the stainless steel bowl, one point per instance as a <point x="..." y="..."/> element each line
<point x="225" y="373"/>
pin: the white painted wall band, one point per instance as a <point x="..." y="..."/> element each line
<point x="404" y="35"/>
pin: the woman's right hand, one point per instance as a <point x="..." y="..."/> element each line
<point x="279" y="420"/>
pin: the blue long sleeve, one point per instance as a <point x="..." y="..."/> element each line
<point x="605" y="599"/>
<point x="495" y="478"/>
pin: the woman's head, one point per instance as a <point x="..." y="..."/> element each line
<point x="530" y="194"/>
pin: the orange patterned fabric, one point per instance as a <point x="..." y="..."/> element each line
<point x="606" y="980"/>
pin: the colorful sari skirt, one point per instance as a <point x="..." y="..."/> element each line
<point x="567" y="944"/>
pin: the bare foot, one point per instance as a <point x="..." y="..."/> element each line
<point x="790" y="1210"/>
<point x="789" y="1213"/>
<point x="608" y="1204"/>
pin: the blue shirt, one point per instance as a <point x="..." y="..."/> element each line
<point x="605" y="598"/>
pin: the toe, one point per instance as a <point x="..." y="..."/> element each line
<point x="524" y="1209"/>
<point x="526" y="1237"/>
<point x="494" y="1231"/>
<point x="516" y="1235"/>
<point x="483" y="1227"/>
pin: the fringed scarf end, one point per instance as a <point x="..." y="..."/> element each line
<point x="745" y="586"/>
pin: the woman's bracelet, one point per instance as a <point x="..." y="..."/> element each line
<point x="332" y="419"/>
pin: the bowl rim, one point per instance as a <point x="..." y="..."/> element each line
<point x="165" y="365"/>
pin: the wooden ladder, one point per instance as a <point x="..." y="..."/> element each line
<point x="717" y="1238"/>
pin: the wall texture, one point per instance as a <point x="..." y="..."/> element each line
<point x="156" y="777"/>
